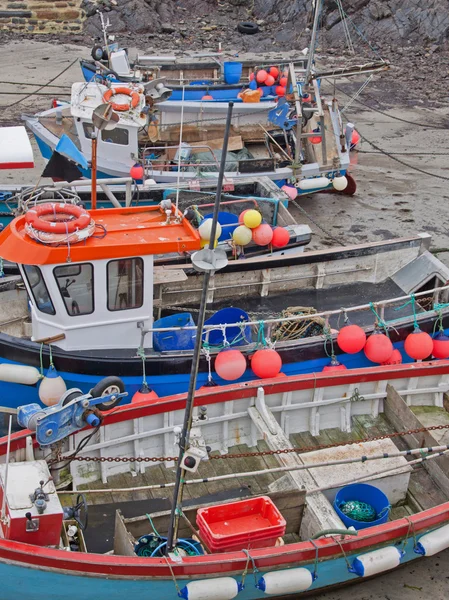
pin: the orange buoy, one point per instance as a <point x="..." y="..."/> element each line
<point x="261" y="76"/>
<point x="274" y="72"/>
<point x="395" y="358"/>
<point x="351" y="339"/>
<point x="378" y="347"/>
<point x="280" y="90"/>
<point x="281" y="237"/>
<point x="355" y="138"/>
<point x="315" y="139"/>
<point x="230" y="364"/>
<point x="334" y="365"/>
<point x="251" y="76"/>
<point x="266" y="363"/>
<point x="269" y="81"/>
<point x="262" y="235"/>
<point x="418" y="344"/>
<point x="137" y="172"/>
<point x="207" y="97"/>
<point x="440" y="345"/>
<point x="144" y="394"/>
<point x="283" y="81"/>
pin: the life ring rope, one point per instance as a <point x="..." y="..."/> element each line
<point x="120" y="107"/>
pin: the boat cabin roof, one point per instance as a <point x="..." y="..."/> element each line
<point x="15" y="148"/>
<point x="120" y="233"/>
<point x="86" y="97"/>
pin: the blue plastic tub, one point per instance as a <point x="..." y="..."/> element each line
<point x="224" y="316"/>
<point x="363" y="493"/>
<point x="168" y="341"/>
<point x="232" y="71"/>
<point x="228" y="223"/>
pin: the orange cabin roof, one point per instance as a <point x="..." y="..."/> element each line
<point x="135" y="231"/>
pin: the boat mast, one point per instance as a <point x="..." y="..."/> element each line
<point x="208" y="260"/>
<point x="318" y="6"/>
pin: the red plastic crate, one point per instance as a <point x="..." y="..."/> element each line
<point x="255" y="523"/>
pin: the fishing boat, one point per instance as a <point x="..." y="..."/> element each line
<point x="101" y="307"/>
<point x="285" y="458"/>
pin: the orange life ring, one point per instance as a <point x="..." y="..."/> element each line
<point x="57" y="218"/>
<point x="121" y="90"/>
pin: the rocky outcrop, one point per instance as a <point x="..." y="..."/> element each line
<point x="41" y="16"/>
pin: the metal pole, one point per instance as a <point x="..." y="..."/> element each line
<point x="188" y="415"/>
<point x="3" y="515"/>
<point x="313" y="39"/>
<point x="94" y="171"/>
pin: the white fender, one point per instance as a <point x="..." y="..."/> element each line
<point x="287" y="581"/>
<point x="433" y="542"/>
<point x="19" y="374"/>
<point x="316" y="183"/>
<point x="377" y="561"/>
<point x="221" y="588"/>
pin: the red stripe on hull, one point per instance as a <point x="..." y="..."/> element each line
<point x="17" y="165"/>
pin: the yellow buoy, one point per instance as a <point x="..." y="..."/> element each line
<point x="252" y="218"/>
<point x="242" y="235"/>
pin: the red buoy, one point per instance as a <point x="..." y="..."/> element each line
<point x="281" y="237"/>
<point x="242" y="215"/>
<point x="207" y="97"/>
<point x="263" y="234"/>
<point x="260" y="90"/>
<point x="283" y="81"/>
<point x="144" y="394"/>
<point x="280" y="90"/>
<point x="316" y="139"/>
<point x="351" y="339"/>
<point x="251" y="76"/>
<point x="230" y="364"/>
<point x="395" y="358"/>
<point x="378" y="347"/>
<point x="266" y="363"/>
<point x="137" y="172"/>
<point x="274" y="72"/>
<point x="334" y="365"/>
<point x="418" y="345"/>
<point x="440" y="345"/>
<point x="269" y="81"/>
<point x="355" y="138"/>
<point x="261" y="76"/>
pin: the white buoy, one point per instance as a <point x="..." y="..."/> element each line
<point x="377" y="561"/>
<point x="222" y="588"/>
<point x="19" y="374"/>
<point x="288" y="581"/>
<point x="433" y="542"/>
<point x="340" y="183"/>
<point x="205" y="230"/>
<point x="317" y="183"/>
<point x="52" y="387"/>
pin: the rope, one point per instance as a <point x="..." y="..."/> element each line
<point x="152" y="525"/>
<point x="294" y="330"/>
<point x="141" y="353"/>
<point x="411" y="302"/>
<point x="51" y="356"/>
<point x="411" y="528"/>
<point x="343" y="552"/>
<point x="255" y="569"/>
<point x="379" y="320"/>
<point x="41" y="360"/>
<point x="178" y="590"/>
<point x="315" y="563"/>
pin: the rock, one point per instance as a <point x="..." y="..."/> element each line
<point x="167" y="28"/>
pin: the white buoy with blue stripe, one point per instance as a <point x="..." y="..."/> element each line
<point x="433" y="542"/>
<point x="287" y="581"/>
<point x="377" y="561"/>
<point x="222" y="588"/>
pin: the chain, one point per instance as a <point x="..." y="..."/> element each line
<point x="156" y="459"/>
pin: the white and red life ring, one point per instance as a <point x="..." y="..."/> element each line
<point x="135" y="98"/>
<point x="55" y="223"/>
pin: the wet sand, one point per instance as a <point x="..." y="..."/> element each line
<point x="392" y="200"/>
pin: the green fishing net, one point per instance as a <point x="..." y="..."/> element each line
<point x="358" y="511"/>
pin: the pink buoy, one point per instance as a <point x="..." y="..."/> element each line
<point x="395" y="358"/>
<point x="281" y="237"/>
<point x="334" y="365"/>
<point x="230" y="364"/>
<point x="378" y="347"/>
<point x="351" y="339"/>
<point x="137" y="172"/>
<point x="269" y="81"/>
<point x="266" y="363"/>
<point x="251" y="76"/>
<point x="418" y="345"/>
<point x="261" y="76"/>
<point x="290" y="190"/>
<point x="262" y="235"/>
<point x="144" y="394"/>
<point x="355" y="138"/>
<point x="440" y="345"/>
<point x="274" y="72"/>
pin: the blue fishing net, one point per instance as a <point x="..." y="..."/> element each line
<point x="358" y="511"/>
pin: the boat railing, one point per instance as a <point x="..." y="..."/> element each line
<point x="378" y="309"/>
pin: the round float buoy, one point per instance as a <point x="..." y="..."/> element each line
<point x="378" y="347"/>
<point x="220" y="588"/>
<point x="395" y="358"/>
<point x="274" y="72"/>
<point x="351" y="339"/>
<point x="207" y="97"/>
<point x="251" y="76"/>
<point x="334" y="365"/>
<point x="252" y="218"/>
<point x="242" y="235"/>
<point x="242" y="215"/>
<point x="340" y="183"/>
<point x="288" y="581"/>
<point x="205" y="230"/>
<point x="253" y="84"/>
<point x="418" y="345"/>
<point x="262" y="235"/>
<point x="230" y="364"/>
<point x="52" y="387"/>
<point x="144" y="394"/>
<point x="269" y="81"/>
<point x="355" y="138"/>
<point x="281" y="237"/>
<point x="440" y="345"/>
<point x="316" y="139"/>
<point x="280" y="90"/>
<point x="377" y="561"/>
<point x="137" y="172"/>
<point x="261" y="76"/>
<point x="266" y="363"/>
<point x="283" y="81"/>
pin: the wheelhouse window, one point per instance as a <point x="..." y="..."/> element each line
<point x="88" y="130"/>
<point x="39" y="289"/>
<point x="125" y="284"/>
<point x="76" y="284"/>
<point x="116" y="136"/>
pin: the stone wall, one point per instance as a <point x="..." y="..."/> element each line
<point x="41" y="16"/>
